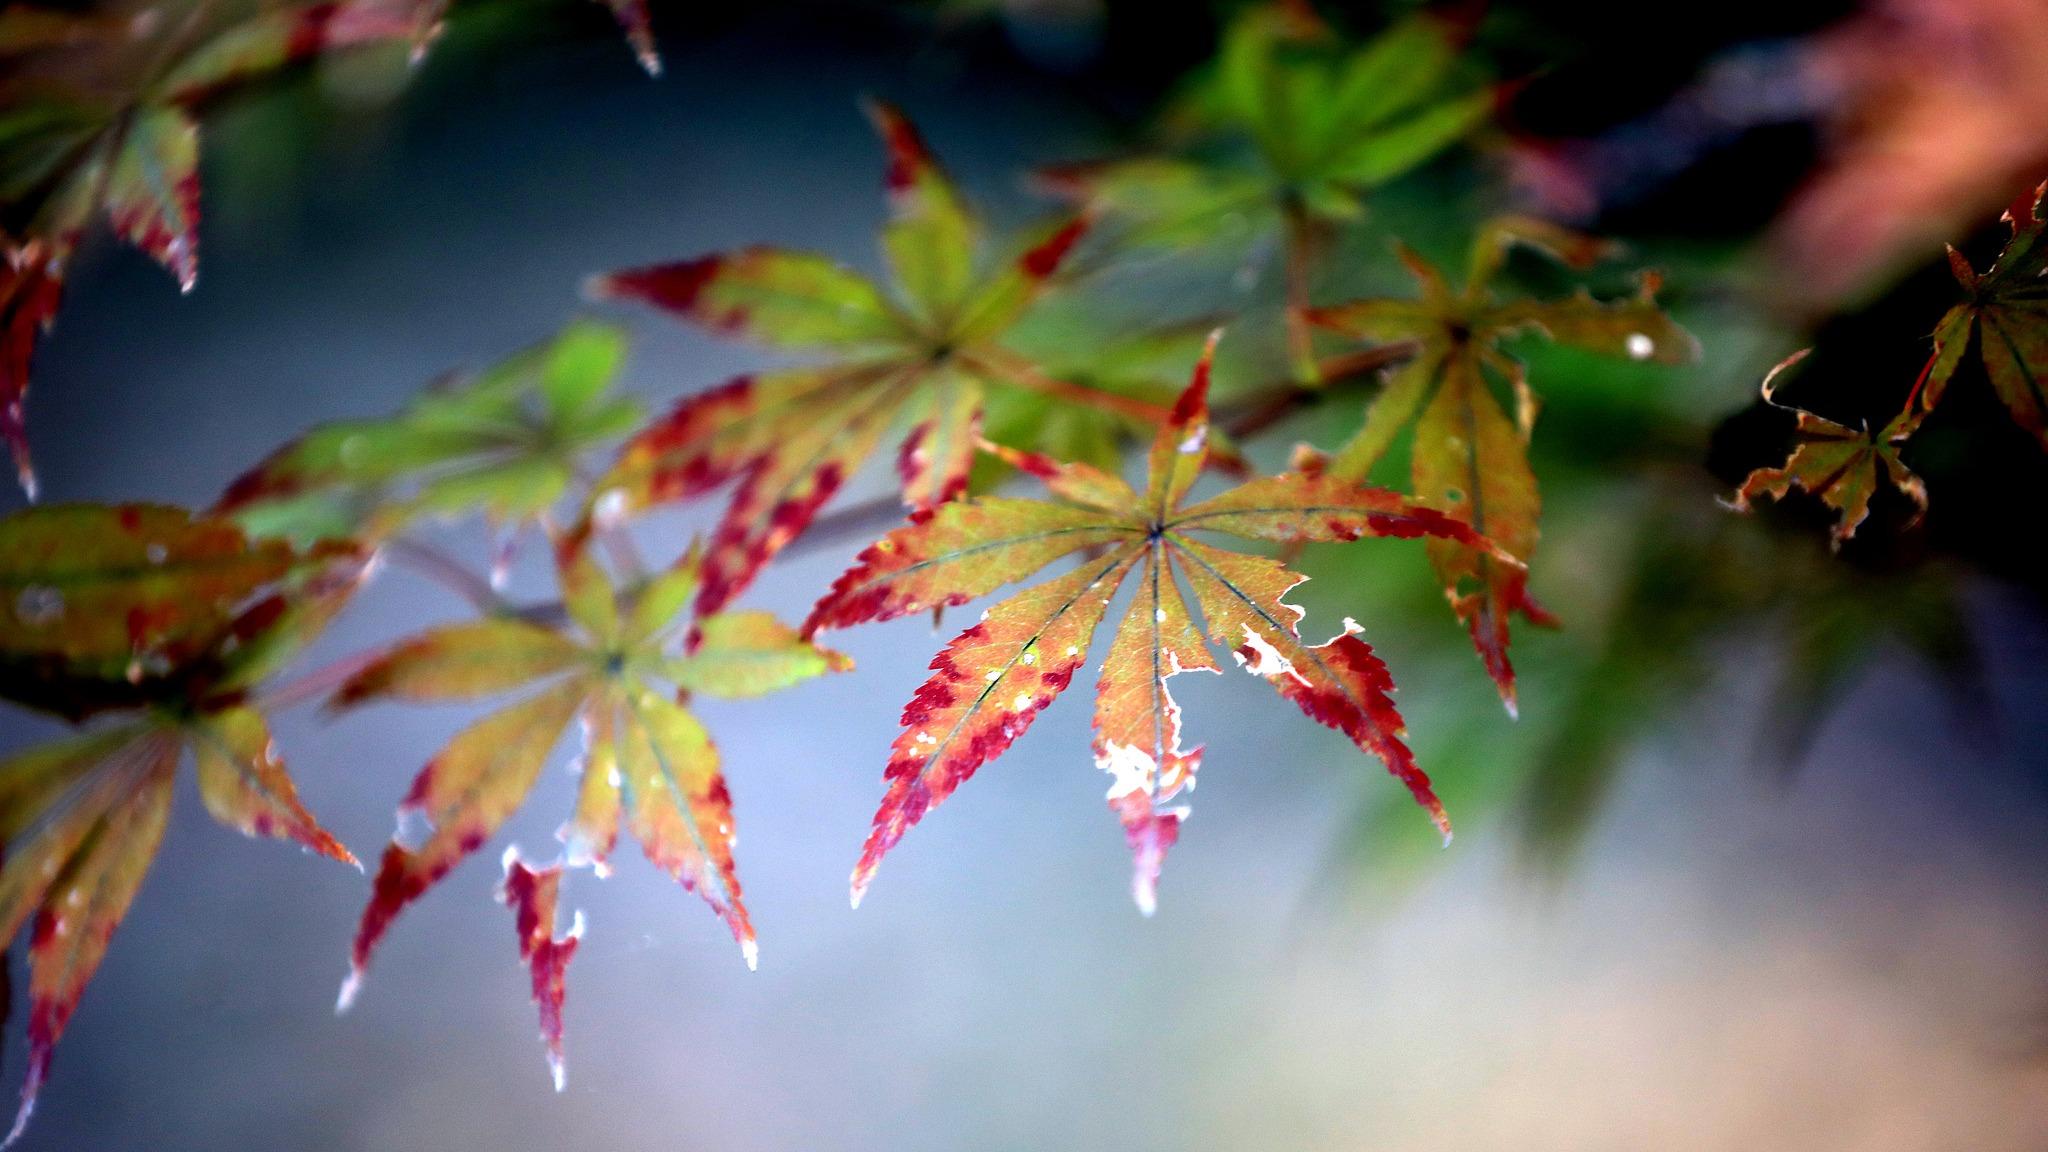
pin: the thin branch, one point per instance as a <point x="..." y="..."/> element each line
<point x="310" y="686"/>
<point x="443" y="569"/>
<point x="1300" y="250"/>
<point x="855" y="522"/>
<point x="1026" y="376"/>
<point x="1276" y="403"/>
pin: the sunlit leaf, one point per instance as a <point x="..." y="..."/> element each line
<point x="624" y="671"/>
<point x="991" y="682"/>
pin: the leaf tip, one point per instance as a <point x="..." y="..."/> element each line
<point x="27" y="1110"/>
<point x="351" y="987"/>
<point x="31" y="1087"/>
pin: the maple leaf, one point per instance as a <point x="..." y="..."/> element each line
<point x="174" y="620"/>
<point x="925" y="355"/>
<point x="104" y="118"/>
<point x="137" y="605"/>
<point x="994" y="679"/>
<point x="505" y="443"/>
<point x="1841" y="465"/>
<point x="1290" y="132"/>
<point x="626" y="673"/>
<point x="2006" y="312"/>
<point x="1468" y="455"/>
<point x="1293" y="115"/>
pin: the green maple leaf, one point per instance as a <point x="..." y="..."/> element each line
<point x="506" y="443"/>
<point x="993" y="680"/>
<point x="1291" y="126"/>
<point x="922" y="358"/>
<point x="1468" y="456"/>
<point x="625" y="671"/>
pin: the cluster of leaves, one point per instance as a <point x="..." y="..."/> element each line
<point x="1287" y="133"/>
<point x="103" y="109"/>
<point x="505" y="444"/>
<point x="2003" y="316"/>
<point x="924" y="359"/>
<point x="624" y="669"/>
<point x="1467" y="455"/>
<point x="166" y="626"/>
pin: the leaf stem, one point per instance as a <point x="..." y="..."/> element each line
<point x="1300" y="267"/>
<point x="428" y="561"/>
<point x="1284" y="398"/>
<point x="310" y="686"/>
<point x="1028" y="377"/>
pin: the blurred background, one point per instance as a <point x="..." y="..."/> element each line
<point x="1761" y="866"/>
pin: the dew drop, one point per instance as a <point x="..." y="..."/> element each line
<point x="414" y="829"/>
<point x="610" y="508"/>
<point x="39" y="606"/>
